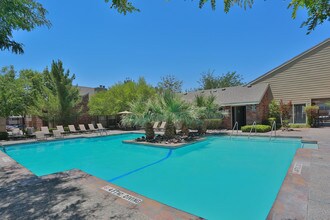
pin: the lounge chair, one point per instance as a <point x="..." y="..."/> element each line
<point x="45" y="130"/>
<point x="82" y="128"/>
<point x="40" y="135"/>
<point x="156" y="125"/>
<point x="61" y="129"/>
<point x="101" y="128"/>
<point x="16" y="133"/>
<point x="57" y="134"/>
<point x="162" y="126"/>
<point x="72" y="129"/>
<point x="92" y="128"/>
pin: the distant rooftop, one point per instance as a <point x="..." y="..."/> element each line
<point x="84" y="90"/>
<point x="232" y="96"/>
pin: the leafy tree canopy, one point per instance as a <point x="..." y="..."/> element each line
<point x="19" y="15"/>
<point x="170" y="83"/>
<point x="119" y="96"/>
<point x="318" y="10"/>
<point x="13" y="98"/>
<point x="211" y="81"/>
<point x="51" y="94"/>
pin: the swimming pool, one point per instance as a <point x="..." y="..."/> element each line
<point x="218" y="178"/>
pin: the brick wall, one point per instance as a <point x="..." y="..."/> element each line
<point x="226" y="121"/>
<point x="259" y="113"/>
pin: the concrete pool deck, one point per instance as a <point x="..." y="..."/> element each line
<point x="75" y="194"/>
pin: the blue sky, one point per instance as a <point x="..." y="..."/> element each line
<point x="103" y="47"/>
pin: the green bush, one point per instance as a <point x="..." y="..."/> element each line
<point x="259" y="128"/>
<point x="3" y="136"/>
<point x="52" y="129"/>
<point x="271" y="121"/>
<point x="299" y="126"/>
<point x="213" y="124"/>
<point x="312" y="113"/>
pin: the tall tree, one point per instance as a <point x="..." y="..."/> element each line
<point x="12" y="94"/>
<point x="17" y="15"/>
<point x="60" y="82"/>
<point x="211" y="81"/>
<point x="57" y="98"/>
<point x="119" y="96"/>
<point x="170" y="83"/>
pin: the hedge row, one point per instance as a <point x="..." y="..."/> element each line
<point x="259" y="128"/>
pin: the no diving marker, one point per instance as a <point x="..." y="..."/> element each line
<point x="297" y="168"/>
<point x="122" y="194"/>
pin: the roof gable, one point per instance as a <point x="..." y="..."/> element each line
<point x="289" y="62"/>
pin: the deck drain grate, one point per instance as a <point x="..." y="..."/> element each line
<point x="122" y="194"/>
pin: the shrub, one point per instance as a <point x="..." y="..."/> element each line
<point x="271" y="121"/>
<point x="3" y="136"/>
<point x="312" y="113"/>
<point x="274" y="109"/>
<point x="213" y="124"/>
<point x="259" y="128"/>
<point x="299" y="126"/>
<point x="52" y="129"/>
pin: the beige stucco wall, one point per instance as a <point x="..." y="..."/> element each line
<point x="306" y="78"/>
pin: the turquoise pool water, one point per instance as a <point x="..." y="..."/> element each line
<point x="217" y="178"/>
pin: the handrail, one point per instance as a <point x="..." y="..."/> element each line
<point x="3" y="147"/>
<point x="255" y="129"/>
<point x="235" y="126"/>
<point x="273" y="129"/>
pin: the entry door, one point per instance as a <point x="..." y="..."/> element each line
<point x="239" y="115"/>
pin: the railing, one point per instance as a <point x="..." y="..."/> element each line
<point x="3" y="147"/>
<point x="235" y="126"/>
<point x="255" y="129"/>
<point x="273" y="130"/>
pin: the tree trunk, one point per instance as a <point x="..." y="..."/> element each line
<point x="202" y="128"/>
<point x="185" y="129"/>
<point x="2" y="124"/>
<point x="169" y="130"/>
<point x="150" y="133"/>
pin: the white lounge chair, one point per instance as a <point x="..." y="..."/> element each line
<point x="40" y="135"/>
<point x="61" y="129"/>
<point x="72" y="129"/>
<point x="101" y="128"/>
<point x="45" y="130"/>
<point x="156" y="125"/>
<point x="82" y="128"/>
<point x="92" y="128"/>
<point x="162" y="126"/>
<point x="57" y="134"/>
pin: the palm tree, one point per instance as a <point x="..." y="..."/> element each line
<point x="208" y="109"/>
<point x="142" y="115"/>
<point x="173" y="110"/>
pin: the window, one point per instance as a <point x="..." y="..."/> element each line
<point x="299" y="114"/>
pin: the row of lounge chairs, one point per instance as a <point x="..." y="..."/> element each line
<point x="60" y="132"/>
